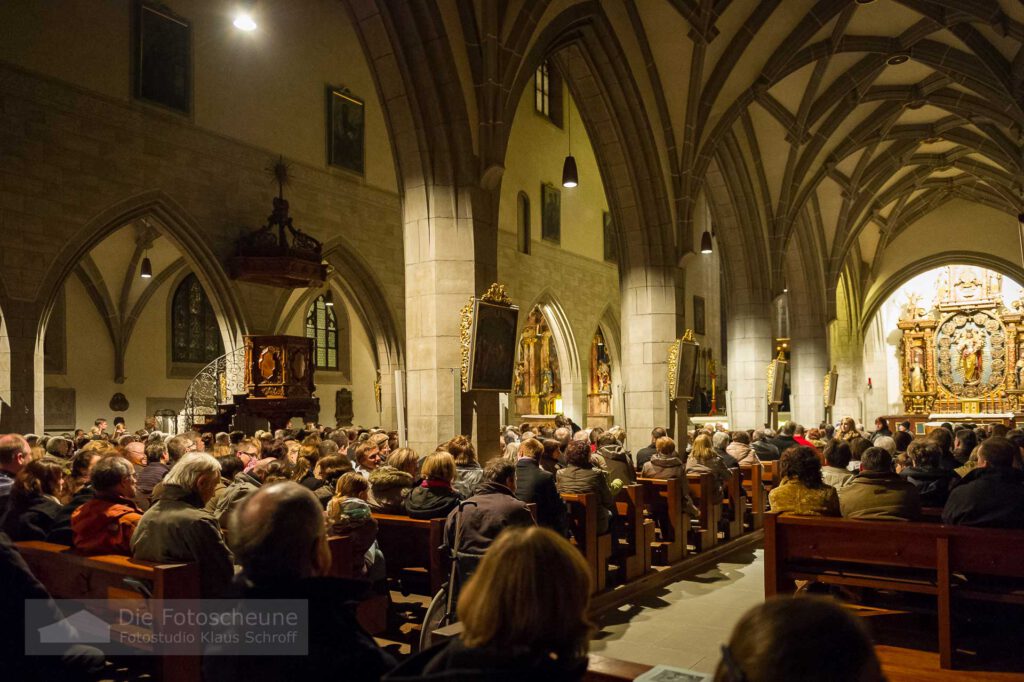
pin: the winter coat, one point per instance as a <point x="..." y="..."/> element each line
<point x="104" y="525"/>
<point x="431" y="500"/>
<point x="665" y="468"/>
<point x="537" y="486"/>
<point x="880" y="495"/>
<point x="793" y="497"/>
<point x="388" y="489"/>
<point x="575" y="480"/>
<point x="352" y="516"/>
<point x="744" y="454"/>
<point x="987" y="496"/>
<point x="452" y="661"/>
<point x="836" y="477"/>
<point x="60" y="532"/>
<point x="783" y="443"/>
<point x="718" y="472"/>
<point x="618" y="463"/>
<point x="240" y="488"/>
<point x="468" y="478"/>
<point x="728" y="461"/>
<point x="765" y="451"/>
<point x="645" y="454"/>
<point x="30" y="517"/>
<point x="933" y="483"/>
<point x="177" y="529"/>
<point x="496" y="508"/>
<point x="150" y="475"/>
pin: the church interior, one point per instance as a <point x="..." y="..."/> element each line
<point x="724" y="296"/>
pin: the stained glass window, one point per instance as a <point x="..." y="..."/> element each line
<point x="195" y="334"/>
<point x="322" y="327"/>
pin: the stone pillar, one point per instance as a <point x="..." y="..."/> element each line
<point x="750" y="351"/>
<point x="808" y="365"/>
<point x="649" y="326"/>
<point x="22" y="408"/>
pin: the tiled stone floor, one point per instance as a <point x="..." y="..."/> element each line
<point x="685" y="623"/>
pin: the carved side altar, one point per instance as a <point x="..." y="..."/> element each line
<point x="538" y="384"/>
<point x="962" y="355"/>
<point x="599" y="394"/>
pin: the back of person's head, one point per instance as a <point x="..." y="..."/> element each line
<point x="944" y="439"/>
<point x="757" y="435"/>
<point x="190" y="469"/>
<point x="741" y="437"/>
<point x="440" y="466"/>
<point x="997" y="453"/>
<point x="278" y="534"/>
<point x="837" y="454"/>
<point x="179" y="446"/>
<point x="665" y="446"/>
<point x="107" y="474"/>
<point x="563" y="435"/>
<point x="857" y="446"/>
<point x="577" y="453"/>
<point x="658" y="432"/>
<point x="595" y="434"/>
<point x="505" y="606"/>
<point x="461" y="448"/>
<point x="155" y="452"/>
<point x="500" y="470"/>
<point x="702" y="449"/>
<point x="720" y="440"/>
<point x="533" y="448"/>
<point x="798" y="639"/>
<point x="235" y="437"/>
<point x="801" y="462"/>
<point x="903" y="440"/>
<point x="326" y="447"/>
<point x="999" y="430"/>
<point x="876" y="460"/>
<point x="333" y="466"/>
<point x="607" y="439"/>
<point x="82" y="461"/>
<point x="58" y="447"/>
<point x="230" y="465"/>
<point x="405" y="459"/>
<point x="788" y="429"/>
<point x="351" y="484"/>
<point x="886" y="443"/>
<point x="39" y="477"/>
<point x="925" y="453"/>
<point x="552" y="449"/>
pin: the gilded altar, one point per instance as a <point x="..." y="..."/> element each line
<point x="962" y="354"/>
<point x="537" y="381"/>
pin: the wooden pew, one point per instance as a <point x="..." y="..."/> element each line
<point x="770" y="475"/>
<point x="751" y="479"/>
<point x="904" y="556"/>
<point x="371" y="612"/>
<point x="413" y="544"/>
<point x="67" y="575"/>
<point x="664" y="500"/>
<point x="702" y="491"/>
<point x="736" y="501"/>
<point x="583" y="510"/>
<point x="634" y="551"/>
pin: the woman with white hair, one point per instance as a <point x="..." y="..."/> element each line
<point x="178" y="529"/>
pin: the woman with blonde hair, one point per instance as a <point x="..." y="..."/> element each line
<point x="704" y="460"/>
<point x="434" y="497"/>
<point x="516" y="625"/>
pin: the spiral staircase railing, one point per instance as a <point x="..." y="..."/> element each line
<point x="214" y="385"/>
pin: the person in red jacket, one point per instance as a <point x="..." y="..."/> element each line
<point x="104" y="524"/>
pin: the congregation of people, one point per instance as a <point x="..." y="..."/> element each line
<point x="254" y="513"/>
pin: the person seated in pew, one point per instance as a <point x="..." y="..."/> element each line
<point x="435" y="496"/>
<point x="279" y="537"/>
<point x="858" y="446"/>
<point x="836" y="472"/>
<point x="105" y="524"/>
<point x="878" y="492"/>
<point x="801" y="489"/>
<point x="992" y="494"/>
<point x="153" y="473"/>
<point x="514" y="626"/>
<point x="580" y="477"/>
<point x="741" y="450"/>
<point x="349" y="514"/>
<point x="616" y="459"/>
<point x="490" y="511"/>
<point x="328" y="470"/>
<point x="720" y="441"/>
<point x="34" y="500"/>
<point x="230" y="466"/>
<point x="551" y="458"/>
<point x="178" y="529"/>
<point x="799" y="639"/>
<point x="932" y="481"/>
<point x="704" y="460"/>
<point x="77" y="491"/>
<point x="468" y="472"/>
<point x="537" y="486"/>
<point x="392" y="482"/>
<point x="368" y="457"/>
<point x="245" y="483"/>
<point x="765" y="450"/>
<point x="644" y="454"/>
<point x="667" y="464"/>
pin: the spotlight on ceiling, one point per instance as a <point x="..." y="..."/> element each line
<point x="897" y="59"/>
<point x="244" y="21"/>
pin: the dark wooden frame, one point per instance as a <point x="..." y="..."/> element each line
<point x="482" y="311"/>
<point x="141" y="11"/>
<point x="332" y="95"/>
<point x="699" y="315"/>
<point x="548" y="232"/>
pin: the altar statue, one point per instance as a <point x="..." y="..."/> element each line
<point x="917" y="378"/>
<point x="969" y="354"/>
<point x="1018" y="375"/>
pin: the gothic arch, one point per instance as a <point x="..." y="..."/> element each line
<point x="574" y="387"/>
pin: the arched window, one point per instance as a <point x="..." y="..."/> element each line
<point x="322" y="327"/>
<point x="523" y="225"/>
<point x="195" y="334"/>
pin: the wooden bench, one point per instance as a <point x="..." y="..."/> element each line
<point x="664" y="501"/>
<point x="702" y="488"/>
<point x="410" y="544"/>
<point x="770" y="477"/>
<point x="371" y="612"/>
<point x="736" y="501"/>
<point x="751" y="480"/>
<point x="596" y="549"/>
<point x="634" y="550"/>
<point x="904" y="556"/>
<point x="110" y="578"/>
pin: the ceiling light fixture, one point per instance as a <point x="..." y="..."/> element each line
<point x="146" y="271"/>
<point x="705" y="239"/>
<point x="244" y="21"/>
<point x="329" y="299"/>
<point x="570" y="175"/>
<point x="897" y="59"/>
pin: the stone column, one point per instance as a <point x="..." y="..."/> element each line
<point x="649" y="326"/>
<point x="808" y="365"/>
<point x="22" y="409"/>
<point x="749" y="326"/>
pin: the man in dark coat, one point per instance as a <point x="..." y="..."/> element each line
<point x="645" y="454"/>
<point x="536" y="486"/>
<point x="280" y="540"/>
<point x="763" y="448"/>
<point x="932" y="481"/>
<point x="492" y="509"/>
<point x="992" y="494"/>
<point x="785" y="440"/>
<point x="617" y="461"/>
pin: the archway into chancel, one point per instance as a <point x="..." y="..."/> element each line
<point x="948" y="345"/>
<point x="547" y="377"/>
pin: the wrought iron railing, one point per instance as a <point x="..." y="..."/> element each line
<point x="215" y="384"/>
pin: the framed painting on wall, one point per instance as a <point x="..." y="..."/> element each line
<point x="346" y="122"/>
<point x="551" y="213"/>
<point x="492" y="346"/>
<point x="698" y="315"/>
<point x="162" y="58"/>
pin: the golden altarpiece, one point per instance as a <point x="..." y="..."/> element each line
<point x="538" y="385"/>
<point x="962" y="355"/>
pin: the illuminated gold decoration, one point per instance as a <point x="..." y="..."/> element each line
<point x="827" y="386"/>
<point x="688" y="336"/>
<point x="673" y="365"/>
<point x="495" y="294"/>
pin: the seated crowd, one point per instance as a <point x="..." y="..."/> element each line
<point x="254" y="514"/>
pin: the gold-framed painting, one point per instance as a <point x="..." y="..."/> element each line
<point x="488" y="330"/>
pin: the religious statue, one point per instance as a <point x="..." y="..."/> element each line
<point x="969" y="347"/>
<point x="917" y="378"/>
<point x="911" y="309"/>
<point x="1018" y="375"/>
<point x="604" y="378"/>
<point x="520" y="378"/>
